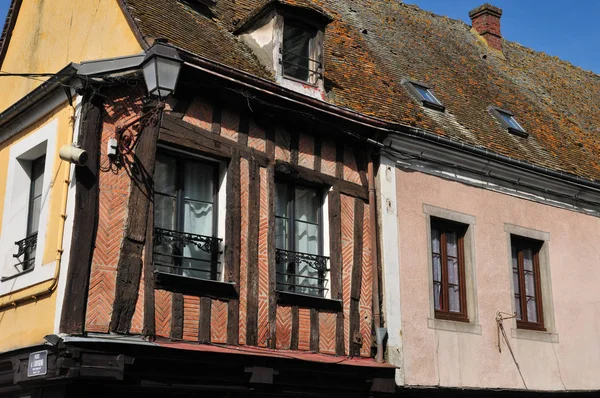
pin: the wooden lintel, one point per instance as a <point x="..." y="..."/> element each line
<point x="306" y="176"/>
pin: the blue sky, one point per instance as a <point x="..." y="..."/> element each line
<point x="567" y="29"/>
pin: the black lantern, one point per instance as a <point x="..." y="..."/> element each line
<point x="161" y="69"/>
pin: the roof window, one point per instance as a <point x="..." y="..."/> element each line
<point x="424" y="95"/>
<point x="298" y="53"/>
<point x="508" y="121"/>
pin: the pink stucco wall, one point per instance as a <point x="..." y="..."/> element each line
<point x="449" y="358"/>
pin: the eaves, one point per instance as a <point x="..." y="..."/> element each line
<point x="488" y="170"/>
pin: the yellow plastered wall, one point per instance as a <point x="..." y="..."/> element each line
<point x="50" y="34"/>
<point x="27" y="324"/>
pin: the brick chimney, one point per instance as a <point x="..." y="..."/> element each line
<point x="486" y="22"/>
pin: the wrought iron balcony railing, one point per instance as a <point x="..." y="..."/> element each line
<point x="301" y="272"/>
<point x="26" y="252"/>
<point x="200" y="260"/>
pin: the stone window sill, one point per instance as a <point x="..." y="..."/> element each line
<point x="534" y="335"/>
<point x="453" y="326"/>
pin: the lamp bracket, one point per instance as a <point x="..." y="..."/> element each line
<point x="127" y="135"/>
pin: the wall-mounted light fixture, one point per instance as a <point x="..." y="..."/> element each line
<point x="161" y="70"/>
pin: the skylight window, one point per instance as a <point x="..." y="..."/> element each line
<point x="508" y="121"/>
<point x="424" y="95"/>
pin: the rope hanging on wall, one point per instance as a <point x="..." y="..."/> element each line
<point x="501" y="331"/>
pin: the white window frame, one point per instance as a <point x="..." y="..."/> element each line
<point x="473" y="326"/>
<point x="15" y="213"/>
<point x="550" y="334"/>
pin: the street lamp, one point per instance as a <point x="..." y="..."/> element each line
<point x="161" y="69"/>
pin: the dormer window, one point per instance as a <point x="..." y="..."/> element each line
<point x="424" y="95"/>
<point x="296" y="52"/>
<point x="288" y="40"/>
<point x="507" y="120"/>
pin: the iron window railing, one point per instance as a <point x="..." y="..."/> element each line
<point x="26" y="251"/>
<point x="169" y="254"/>
<point x="304" y="273"/>
<point x="318" y="65"/>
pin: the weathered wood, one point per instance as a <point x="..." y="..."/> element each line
<point x="216" y="120"/>
<point x="179" y="133"/>
<point x="270" y="148"/>
<point x="253" y="221"/>
<point x="317" y="154"/>
<point x="205" y="319"/>
<point x="314" y="330"/>
<point x="339" y="160"/>
<point x="181" y="107"/>
<point x="294" y="143"/>
<point x="271" y="257"/>
<point x="149" y="303"/>
<point x="232" y="244"/>
<point x="244" y="129"/>
<point x="177" y="316"/>
<point x="335" y="259"/>
<point x="129" y="267"/>
<point x="361" y="164"/>
<point x="309" y="177"/>
<point x="355" y="285"/>
<point x="85" y="220"/>
<point x="295" y="335"/>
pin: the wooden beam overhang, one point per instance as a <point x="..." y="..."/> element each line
<point x="146" y="367"/>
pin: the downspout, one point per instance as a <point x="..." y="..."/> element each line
<point x="375" y="260"/>
<point x="53" y="283"/>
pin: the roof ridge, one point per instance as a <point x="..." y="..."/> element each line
<point x="553" y="57"/>
<point x="9" y="24"/>
<point x="532" y="50"/>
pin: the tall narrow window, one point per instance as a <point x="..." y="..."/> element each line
<point x="447" y="249"/>
<point x="296" y="52"/>
<point x="27" y="246"/>
<point x="185" y="217"/>
<point x="301" y="268"/>
<point x="526" y="283"/>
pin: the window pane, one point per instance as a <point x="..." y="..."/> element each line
<point x="453" y="271"/>
<point x="452" y="245"/>
<point x="531" y="310"/>
<point x="529" y="284"/>
<point x="196" y="262"/>
<point x="307" y="203"/>
<point x="510" y="120"/>
<point x="518" y="306"/>
<point x="281" y="233"/>
<point x="165" y="176"/>
<point x="164" y="212"/>
<point x="527" y="259"/>
<point x="281" y="200"/>
<point x="199" y="181"/>
<point x="437" y="268"/>
<point x="198" y="218"/>
<point x="307" y="238"/>
<point x="295" y="52"/>
<point x="37" y="175"/>
<point x="516" y="285"/>
<point x="437" y="289"/>
<point x="34" y="217"/>
<point x="426" y="94"/>
<point x="435" y="240"/>
<point x="454" y="297"/>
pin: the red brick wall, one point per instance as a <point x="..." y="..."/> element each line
<point x="114" y="191"/>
